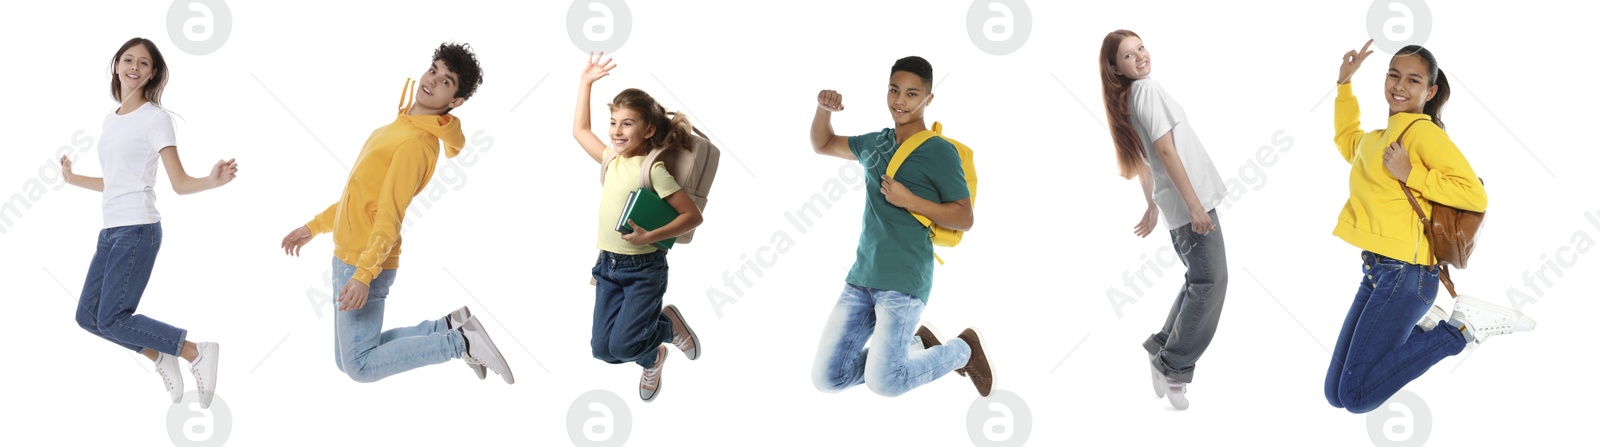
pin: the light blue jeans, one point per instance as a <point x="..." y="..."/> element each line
<point x="367" y="353"/>
<point x="896" y="362"/>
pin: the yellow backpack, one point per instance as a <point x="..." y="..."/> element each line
<point x="943" y="237"/>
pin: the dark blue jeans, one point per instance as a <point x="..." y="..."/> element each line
<point x="628" y="323"/>
<point x="1380" y="347"/>
<point x="123" y="259"/>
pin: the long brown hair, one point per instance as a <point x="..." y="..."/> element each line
<point x="672" y="130"/>
<point x="158" y="76"/>
<point x="1114" y="90"/>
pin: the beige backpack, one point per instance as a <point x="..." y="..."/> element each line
<point x="694" y="167"/>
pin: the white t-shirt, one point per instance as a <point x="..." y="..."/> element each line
<point x="130" y="147"/>
<point x="1154" y="114"/>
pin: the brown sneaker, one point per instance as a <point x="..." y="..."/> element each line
<point x="650" y="379"/>
<point x="682" y="335"/>
<point x="977" y="367"/>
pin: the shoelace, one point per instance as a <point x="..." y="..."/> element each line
<point x="650" y="374"/>
<point x="164" y="377"/>
<point x="682" y="342"/>
<point x="472" y="360"/>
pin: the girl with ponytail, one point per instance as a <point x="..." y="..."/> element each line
<point x="630" y="276"/>
<point x="1382" y="345"/>
<point x="1154" y="141"/>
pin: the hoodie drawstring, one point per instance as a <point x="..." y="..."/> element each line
<point x="404" y="93"/>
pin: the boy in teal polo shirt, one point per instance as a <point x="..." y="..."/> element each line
<point x="893" y="274"/>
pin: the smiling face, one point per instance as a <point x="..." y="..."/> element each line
<point x="134" y="68"/>
<point x="629" y="130"/>
<point x="1132" y="60"/>
<point x="436" y="91"/>
<point x="908" y="97"/>
<point x="1408" y="85"/>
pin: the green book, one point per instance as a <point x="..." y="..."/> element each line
<point x="648" y="210"/>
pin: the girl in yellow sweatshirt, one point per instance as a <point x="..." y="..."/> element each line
<point x="1381" y="345"/>
<point x="630" y="325"/>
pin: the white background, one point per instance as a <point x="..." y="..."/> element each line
<point x="298" y="85"/>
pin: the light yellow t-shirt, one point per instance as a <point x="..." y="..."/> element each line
<point x="623" y="178"/>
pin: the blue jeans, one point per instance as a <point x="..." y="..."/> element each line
<point x="123" y="259"/>
<point x="367" y="353"/>
<point x="1192" y="322"/>
<point x="628" y="323"/>
<point x="1380" y="347"/>
<point x="896" y="362"/>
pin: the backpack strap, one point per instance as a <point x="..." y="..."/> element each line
<point x="605" y="162"/>
<point x="1422" y="217"/>
<point x="649" y="165"/>
<point x="900" y="155"/>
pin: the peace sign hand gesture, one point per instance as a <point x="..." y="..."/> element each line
<point x="1352" y="62"/>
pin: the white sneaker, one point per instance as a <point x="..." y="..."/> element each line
<point x="1157" y="380"/>
<point x="204" y="368"/>
<point x="171" y="375"/>
<point x="1432" y="319"/>
<point x="482" y="351"/>
<point x="1484" y="319"/>
<point x="1176" y="395"/>
<point x="456" y="319"/>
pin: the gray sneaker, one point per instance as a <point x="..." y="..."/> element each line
<point x="481" y="350"/>
<point x="456" y="319"/>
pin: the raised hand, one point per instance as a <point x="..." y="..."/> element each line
<point x="66" y="167"/>
<point x="1352" y="62"/>
<point x="597" y="68"/>
<point x="830" y="100"/>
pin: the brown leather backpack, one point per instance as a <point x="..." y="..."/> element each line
<point x="1452" y="232"/>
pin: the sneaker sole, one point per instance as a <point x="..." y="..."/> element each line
<point x="1155" y="374"/>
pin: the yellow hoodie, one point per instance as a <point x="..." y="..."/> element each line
<point x="395" y="164"/>
<point x="1378" y="218"/>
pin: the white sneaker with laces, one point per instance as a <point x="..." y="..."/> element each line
<point x="1484" y="319"/>
<point x="204" y="368"/>
<point x="650" y="379"/>
<point x="171" y="375"/>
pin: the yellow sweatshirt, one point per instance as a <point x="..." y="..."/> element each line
<point x="395" y="164"/>
<point x="1378" y="218"/>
